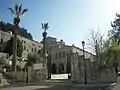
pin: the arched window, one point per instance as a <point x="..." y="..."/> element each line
<point x="1" y="40"/>
<point x="61" y="68"/>
<point x="54" y="68"/>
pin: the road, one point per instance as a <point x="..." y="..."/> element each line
<point x="60" y="86"/>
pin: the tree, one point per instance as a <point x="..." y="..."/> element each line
<point x="9" y="50"/>
<point x="95" y="44"/>
<point x="114" y="34"/>
<point x="94" y="40"/>
<point x="115" y="31"/>
<point x="34" y="58"/>
<point x="17" y="12"/>
<point x="45" y="26"/>
<point x="3" y="26"/>
<point x="110" y="54"/>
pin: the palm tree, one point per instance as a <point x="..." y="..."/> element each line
<point x="45" y="27"/>
<point x="17" y="12"/>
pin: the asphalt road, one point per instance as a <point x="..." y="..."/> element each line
<point x="60" y="86"/>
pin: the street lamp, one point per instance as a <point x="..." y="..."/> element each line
<point x="68" y="66"/>
<point x="83" y="44"/>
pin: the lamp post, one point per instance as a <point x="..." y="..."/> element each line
<point x="68" y="66"/>
<point x="83" y="44"/>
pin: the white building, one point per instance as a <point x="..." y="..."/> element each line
<point x="62" y="55"/>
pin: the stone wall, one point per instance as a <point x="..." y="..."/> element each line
<point x="107" y="75"/>
<point x="21" y="76"/>
<point x="77" y="71"/>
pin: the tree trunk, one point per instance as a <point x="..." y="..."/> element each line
<point x="14" y="50"/>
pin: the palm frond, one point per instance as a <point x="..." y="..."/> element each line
<point x="46" y="26"/>
<point x="20" y="8"/>
<point x="16" y="8"/>
<point x="42" y="25"/>
<point x="25" y="10"/>
<point x="11" y="10"/>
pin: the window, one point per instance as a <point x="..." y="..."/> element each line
<point x="35" y="49"/>
<point x="59" y="55"/>
<point x="63" y="54"/>
<point x="24" y="41"/>
<point x="33" y="44"/>
<point x="39" y="46"/>
<point x="1" y="40"/>
<point x="56" y="55"/>
<point x="32" y="49"/>
<point x="7" y="56"/>
<point x="24" y="47"/>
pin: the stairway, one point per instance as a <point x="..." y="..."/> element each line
<point x="59" y="76"/>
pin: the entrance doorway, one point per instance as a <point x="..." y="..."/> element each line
<point x="61" y="68"/>
<point x="54" y="68"/>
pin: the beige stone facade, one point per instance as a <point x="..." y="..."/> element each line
<point x="59" y="56"/>
<point x="29" y="46"/>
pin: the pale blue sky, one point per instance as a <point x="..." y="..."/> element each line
<point x="68" y="19"/>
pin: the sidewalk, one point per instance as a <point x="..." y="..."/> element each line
<point x="43" y="82"/>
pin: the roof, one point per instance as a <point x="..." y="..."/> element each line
<point x="50" y="37"/>
<point x="20" y="37"/>
<point x="82" y="50"/>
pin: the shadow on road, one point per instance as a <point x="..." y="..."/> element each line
<point x="56" y="87"/>
<point x="72" y="87"/>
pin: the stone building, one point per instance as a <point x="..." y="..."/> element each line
<point x="29" y="46"/>
<point x="62" y="55"/>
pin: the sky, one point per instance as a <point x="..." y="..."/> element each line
<point x="68" y="19"/>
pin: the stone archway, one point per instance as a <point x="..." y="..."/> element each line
<point x="61" y="68"/>
<point x="54" y="68"/>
